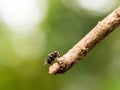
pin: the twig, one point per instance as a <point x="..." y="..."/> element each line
<point x="99" y="32"/>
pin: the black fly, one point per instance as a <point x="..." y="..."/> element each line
<point x="51" y="57"/>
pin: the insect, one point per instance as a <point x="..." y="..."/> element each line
<point x="51" y="57"/>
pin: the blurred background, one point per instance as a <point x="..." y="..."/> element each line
<point x="31" y="29"/>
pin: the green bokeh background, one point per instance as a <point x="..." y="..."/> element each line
<point x="62" y="27"/>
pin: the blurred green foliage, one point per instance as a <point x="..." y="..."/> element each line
<point x="63" y="27"/>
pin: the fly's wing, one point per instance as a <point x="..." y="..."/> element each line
<point x="45" y="63"/>
<point x="48" y="59"/>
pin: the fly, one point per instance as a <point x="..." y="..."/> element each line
<point x="52" y="57"/>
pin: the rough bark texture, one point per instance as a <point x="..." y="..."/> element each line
<point x="100" y="31"/>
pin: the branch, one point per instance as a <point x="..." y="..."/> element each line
<point x="99" y="32"/>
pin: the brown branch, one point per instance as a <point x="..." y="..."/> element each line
<point x="99" y="32"/>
